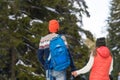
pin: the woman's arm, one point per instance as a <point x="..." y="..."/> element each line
<point x="111" y="67"/>
<point x="88" y="66"/>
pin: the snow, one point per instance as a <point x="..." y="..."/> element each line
<point x="35" y="20"/>
<point x="116" y="21"/>
<point x="22" y="63"/>
<point x="13" y="17"/>
<point x="51" y="9"/>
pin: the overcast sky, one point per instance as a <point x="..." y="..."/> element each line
<point x="99" y="11"/>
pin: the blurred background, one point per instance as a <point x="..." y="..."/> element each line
<point x="24" y="22"/>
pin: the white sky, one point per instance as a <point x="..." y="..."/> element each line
<point x="99" y="11"/>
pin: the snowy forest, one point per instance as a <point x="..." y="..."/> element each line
<point x="24" y="22"/>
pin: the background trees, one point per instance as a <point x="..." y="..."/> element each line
<point x="114" y="35"/>
<point x="24" y="22"/>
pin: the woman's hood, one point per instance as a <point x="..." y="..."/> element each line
<point x="103" y="51"/>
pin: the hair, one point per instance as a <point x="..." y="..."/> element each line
<point x="99" y="42"/>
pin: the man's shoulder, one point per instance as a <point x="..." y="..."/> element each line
<point x="63" y="37"/>
<point x="44" y="41"/>
<point x="48" y="37"/>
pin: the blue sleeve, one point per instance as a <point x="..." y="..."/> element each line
<point x="73" y="68"/>
<point x="40" y="55"/>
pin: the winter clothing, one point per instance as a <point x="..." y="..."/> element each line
<point x="101" y="65"/>
<point x="100" y="62"/>
<point x="43" y="51"/>
<point x="53" y="26"/>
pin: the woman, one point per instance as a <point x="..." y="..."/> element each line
<point x="100" y="63"/>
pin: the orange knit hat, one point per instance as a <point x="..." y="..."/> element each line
<point x="53" y="26"/>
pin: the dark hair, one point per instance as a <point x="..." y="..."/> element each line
<point x="100" y="42"/>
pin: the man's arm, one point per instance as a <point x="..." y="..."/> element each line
<point x="73" y="68"/>
<point x="72" y="65"/>
<point x="40" y="53"/>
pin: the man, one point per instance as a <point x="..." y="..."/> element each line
<point x="43" y="53"/>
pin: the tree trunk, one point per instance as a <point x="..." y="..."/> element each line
<point x="13" y="56"/>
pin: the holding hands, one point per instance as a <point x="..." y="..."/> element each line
<point x="74" y="73"/>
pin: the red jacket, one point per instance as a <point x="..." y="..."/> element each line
<point x="101" y="65"/>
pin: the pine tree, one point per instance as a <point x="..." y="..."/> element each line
<point x="23" y="22"/>
<point x="114" y="35"/>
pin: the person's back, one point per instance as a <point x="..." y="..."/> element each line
<point x="44" y="44"/>
<point x="44" y="51"/>
<point x="102" y="61"/>
<point x="101" y="65"/>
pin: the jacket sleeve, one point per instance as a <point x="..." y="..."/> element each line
<point x="111" y="67"/>
<point x="40" y="55"/>
<point x="73" y="68"/>
<point x="87" y="67"/>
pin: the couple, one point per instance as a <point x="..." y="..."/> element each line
<point x="100" y="62"/>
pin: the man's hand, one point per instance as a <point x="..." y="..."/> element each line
<point x="74" y="73"/>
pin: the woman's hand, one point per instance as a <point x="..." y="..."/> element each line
<point x="74" y="73"/>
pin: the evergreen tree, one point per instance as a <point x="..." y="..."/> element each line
<point x="114" y="35"/>
<point x="24" y="22"/>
